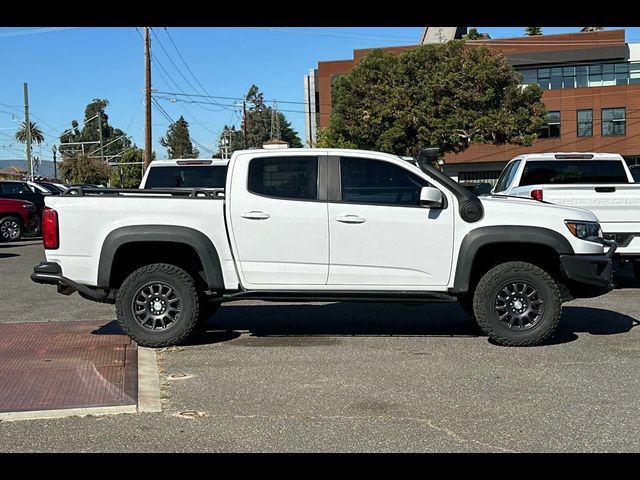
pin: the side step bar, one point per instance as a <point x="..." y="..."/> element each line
<point x="339" y="296"/>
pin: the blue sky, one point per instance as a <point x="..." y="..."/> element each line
<point x="67" y="68"/>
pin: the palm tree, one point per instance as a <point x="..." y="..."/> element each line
<point x="36" y="134"/>
<point x="591" y="29"/>
<point x="532" y="31"/>
<point x="473" y="34"/>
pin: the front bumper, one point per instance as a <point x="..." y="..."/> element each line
<point x="50" y="273"/>
<point x="591" y="270"/>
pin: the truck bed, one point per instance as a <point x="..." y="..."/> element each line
<point x="87" y="216"/>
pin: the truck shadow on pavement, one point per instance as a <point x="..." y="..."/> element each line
<point x="357" y="319"/>
<point x="8" y="255"/>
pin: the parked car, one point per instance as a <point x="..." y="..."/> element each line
<point x="54" y="188"/>
<point x="323" y="225"/>
<point x="21" y="190"/>
<point x="600" y="182"/>
<point x="16" y="217"/>
<point x="186" y="174"/>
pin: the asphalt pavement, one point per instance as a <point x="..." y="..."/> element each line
<point x="357" y="378"/>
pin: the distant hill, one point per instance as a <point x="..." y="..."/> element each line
<point x="46" y="168"/>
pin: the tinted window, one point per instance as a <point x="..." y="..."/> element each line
<point x="375" y="181"/>
<point x="573" y="171"/>
<point x="507" y="176"/>
<point x="284" y="177"/>
<point x="635" y="172"/>
<point x="14" y="188"/>
<point x="187" y="177"/>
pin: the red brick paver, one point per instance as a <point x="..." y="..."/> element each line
<point x="58" y="365"/>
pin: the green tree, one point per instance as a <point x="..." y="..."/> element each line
<point x="473" y="34"/>
<point x="114" y="140"/>
<point x="36" y="134"/>
<point x="445" y="96"/>
<point x="532" y="31"/>
<point x="258" y="119"/>
<point x="128" y="176"/>
<point x="84" y="169"/>
<point x="591" y="29"/>
<point x="178" y="142"/>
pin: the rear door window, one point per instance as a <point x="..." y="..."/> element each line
<point x="573" y="171"/>
<point x="284" y="177"/>
<point x="214" y="176"/>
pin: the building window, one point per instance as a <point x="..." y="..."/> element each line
<point x="552" y="128"/>
<point x="580" y="76"/>
<point x="585" y="123"/>
<point x="614" y="122"/>
<point x="634" y="73"/>
<point x="568" y="77"/>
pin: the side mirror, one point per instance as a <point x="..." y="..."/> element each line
<point x="431" y="197"/>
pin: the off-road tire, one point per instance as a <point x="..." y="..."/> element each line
<point x="14" y="223"/>
<point x="485" y="304"/>
<point x="185" y="288"/>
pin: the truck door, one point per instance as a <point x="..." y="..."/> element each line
<point x="278" y="213"/>
<point x="379" y="234"/>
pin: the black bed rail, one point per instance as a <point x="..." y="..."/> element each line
<point x="215" y="193"/>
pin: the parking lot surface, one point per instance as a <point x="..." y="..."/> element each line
<point x="357" y="377"/>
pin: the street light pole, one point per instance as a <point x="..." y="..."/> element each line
<point x="28" y="127"/>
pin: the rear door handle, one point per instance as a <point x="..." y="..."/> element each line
<point x="255" y="215"/>
<point x="605" y="189"/>
<point x="350" y="219"/>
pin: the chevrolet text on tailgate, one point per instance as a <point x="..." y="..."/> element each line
<point x="322" y="225"/>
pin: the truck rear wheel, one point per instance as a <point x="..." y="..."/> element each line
<point x="517" y="304"/>
<point x="158" y="305"/>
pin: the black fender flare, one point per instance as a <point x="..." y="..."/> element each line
<point x="484" y="236"/>
<point x="202" y="245"/>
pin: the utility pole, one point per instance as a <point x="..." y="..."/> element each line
<point x="244" y="122"/>
<point x="100" y="133"/>
<point x="147" y="98"/>
<point x="28" y="127"/>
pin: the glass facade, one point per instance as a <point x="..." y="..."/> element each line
<point x="578" y="76"/>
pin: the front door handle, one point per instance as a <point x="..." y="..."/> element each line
<point x="350" y="219"/>
<point x="255" y="215"/>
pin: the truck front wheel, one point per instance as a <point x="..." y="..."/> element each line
<point x="517" y="304"/>
<point x="158" y="305"/>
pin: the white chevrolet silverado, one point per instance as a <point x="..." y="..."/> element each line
<point x="322" y="225"/>
<point x="599" y="182"/>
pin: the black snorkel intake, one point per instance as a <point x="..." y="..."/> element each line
<point x="470" y="206"/>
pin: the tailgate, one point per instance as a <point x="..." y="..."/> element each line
<point x="612" y="203"/>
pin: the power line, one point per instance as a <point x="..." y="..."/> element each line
<point x="33" y="31"/>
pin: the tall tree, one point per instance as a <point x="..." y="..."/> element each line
<point x="258" y="119"/>
<point x="591" y="29"/>
<point x="36" y="134"/>
<point x="532" y="31"/>
<point x="178" y="142"/>
<point x="445" y="96"/>
<point x="114" y="140"/>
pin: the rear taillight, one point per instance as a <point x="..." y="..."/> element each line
<point x="50" y="237"/>
<point x="536" y="194"/>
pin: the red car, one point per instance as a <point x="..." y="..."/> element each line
<point x="16" y="216"/>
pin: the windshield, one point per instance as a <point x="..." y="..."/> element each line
<point x="635" y="172"/>
<point x="214" y="176"/>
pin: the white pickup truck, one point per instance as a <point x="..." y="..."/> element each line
<point x="322" y="225"/>
<point x="600" y="182"/>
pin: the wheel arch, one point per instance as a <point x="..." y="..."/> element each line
<point x="169" y="235"/>
<point x="498" y="239"/>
